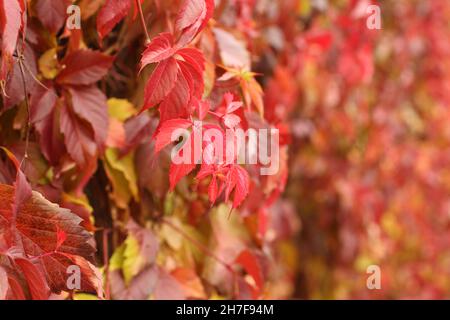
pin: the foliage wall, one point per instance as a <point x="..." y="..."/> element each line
<point x="86" y="177"/>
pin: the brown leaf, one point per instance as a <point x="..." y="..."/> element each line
<point x="36" y="235"/>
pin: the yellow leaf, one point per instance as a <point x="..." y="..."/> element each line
<point x="120" y="109"/>
<point x="48" y="64"/>
<point x="173" y="238"/>
<point x="122" y="174"/>
<point x="81" y="201"/>
<point x="116" y="261"/>
<point x="84" y="296"/>
<point x="133" y="261"/>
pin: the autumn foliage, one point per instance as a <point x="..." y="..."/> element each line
<point x="87" y="118"/>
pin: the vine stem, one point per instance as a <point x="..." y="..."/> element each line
<point x="205" y="250"/>
<point x="199" y="245"/>
<point x="27" y="104"/>
<point x="141" y="16"/>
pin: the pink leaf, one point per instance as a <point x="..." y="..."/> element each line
<point x="167" y="287"/>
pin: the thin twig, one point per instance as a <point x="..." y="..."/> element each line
<point x="33" y="76"/>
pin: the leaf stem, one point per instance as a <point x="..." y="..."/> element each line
<point x="27" y="104"/>
<point x="141" y="16"/>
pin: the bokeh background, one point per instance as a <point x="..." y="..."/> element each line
<point x="370" y="153"/>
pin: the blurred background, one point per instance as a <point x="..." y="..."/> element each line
<point x="369" y="160"/>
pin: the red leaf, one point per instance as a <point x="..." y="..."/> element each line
<point x="202" y="108"/>
<point x="237" y="180"/>
<point x="164" y="135"/>
<point x="160" y="48"/>
<point x="22" y="189"/>
<point x="194" y="57"/>
<point x="52" y="13"/>
<point x="78" y="137"/>
<point x="37" y="285"/>
<point x="195" y="65"/>
<point x="10" y="22"/>
<point x="160" y="83"/>
<point x="44" y="116"/>
<point x="252" y="266"/>
<point x="89" y="103"/>
<point x="112" y="12"/>
<point x="61" y="236"/>
<point x="194" y="78"/>
<point x="190" y="281"/>
<point x="3" y="284"/>
<point x="84" y="67"/>
<point x="15" y="291"/>
<point x="179" y="171"/>
<point x="175" y="105"/>
<point x="213" y="190"/>
<point x="42" y="103"/>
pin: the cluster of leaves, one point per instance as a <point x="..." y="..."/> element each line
<point x="86" y="176"/>
<point x="90" y="112"/>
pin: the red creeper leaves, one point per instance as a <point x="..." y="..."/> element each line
<point x="51" y="237"/>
